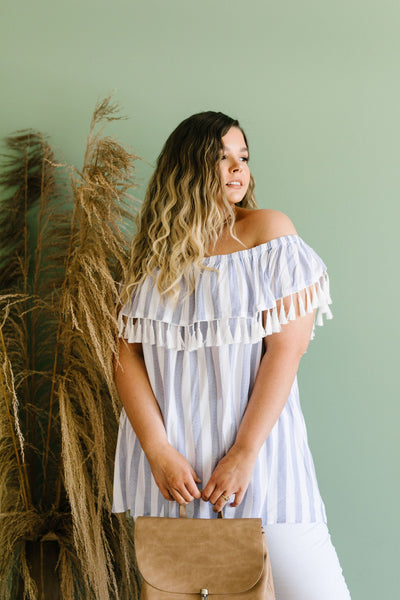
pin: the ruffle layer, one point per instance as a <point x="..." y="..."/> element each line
<point x="230" y="330"/>
<point x="227" y="307"/>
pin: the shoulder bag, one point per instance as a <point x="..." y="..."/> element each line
<point x="213" y="559"/>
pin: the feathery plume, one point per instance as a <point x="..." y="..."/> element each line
<point x="62" y="249"/>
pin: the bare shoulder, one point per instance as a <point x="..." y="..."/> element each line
<point x="266" y="224"/>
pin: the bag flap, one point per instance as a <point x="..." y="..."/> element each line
<point x="181" y="555"/>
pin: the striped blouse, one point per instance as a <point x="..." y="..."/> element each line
<point x="202" y="355"/>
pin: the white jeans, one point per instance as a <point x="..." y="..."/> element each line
<point x="304" y="562"/>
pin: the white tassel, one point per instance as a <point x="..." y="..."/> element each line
<point x="123" y="327"/>
<point x="198" y="335"/>
<point x="137" y="330"/>
<point x="292" y="313"/>
<point x="170" y="338"/>
<point x="254" y="331"/>
<point x="301" y="305"/>
<point x="160" y="338"/>
<point x="129" y="330"/>
<point x="151" y="334"/>
<point x="237" y="331"/>
<point x="321" y="295"/>
<point x="228" y="337"/>
<point x="251" y="334"/>
<point x="327" y="288"/>
<point x="260" y="332"/>
<point x="257" y="331"/>
<point x="209" y="335"/>
<point x="187" y="336"/>
<point x="319" y="320"/>
<point x="180" y="340"/>
<point x="145" y="329"/>
<point x="268" y="323"/>
<point x="282" y="315"/>
<point x="121" y="324"/>
<point x="218" y="337"/>
<point x="308" y="298"/>
<point x="135" y="327"/>
<point x="275" y="321"/>
<point x="328" y="313"/>
<point x="315" y="302"/>
<point x="192" y="337"/>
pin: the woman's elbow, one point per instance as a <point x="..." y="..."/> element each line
<point x="292" y="352"/>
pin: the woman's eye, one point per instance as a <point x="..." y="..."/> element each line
<point x="242" y="158"/>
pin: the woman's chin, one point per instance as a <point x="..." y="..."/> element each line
<point x="235" y="196"/>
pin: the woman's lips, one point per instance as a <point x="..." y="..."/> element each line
<point x="234" y="184"/>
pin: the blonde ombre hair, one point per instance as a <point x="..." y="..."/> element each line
<point x="180" y="219"/>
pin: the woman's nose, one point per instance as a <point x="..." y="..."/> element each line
<point x="236" y="166"/>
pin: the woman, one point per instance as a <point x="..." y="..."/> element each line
<point x="219" y="308"/>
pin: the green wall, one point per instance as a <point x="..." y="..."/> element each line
<point x="316" y="86"/>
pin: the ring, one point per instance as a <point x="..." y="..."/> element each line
<point x="226" y="498"/>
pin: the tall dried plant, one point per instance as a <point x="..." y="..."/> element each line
<point x="62" y="249"/>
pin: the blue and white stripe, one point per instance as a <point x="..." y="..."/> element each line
<point x="202" y="356"/>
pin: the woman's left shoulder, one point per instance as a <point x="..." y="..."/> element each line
<point x="268" y="224"/>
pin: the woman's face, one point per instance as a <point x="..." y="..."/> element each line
<point x="235" y="172"/>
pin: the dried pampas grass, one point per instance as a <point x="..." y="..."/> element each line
<point x="61" y="248"/>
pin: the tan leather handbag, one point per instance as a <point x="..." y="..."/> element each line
<point x="214" y="559"/>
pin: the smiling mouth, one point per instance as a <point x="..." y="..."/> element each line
<point x="234" y="184"/>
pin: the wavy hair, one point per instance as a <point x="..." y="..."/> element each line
<point x="180" y="218"/>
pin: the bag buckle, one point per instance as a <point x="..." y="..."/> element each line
<point x="204" y="594"/>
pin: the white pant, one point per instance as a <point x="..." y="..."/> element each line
<point x="304" y="562"/>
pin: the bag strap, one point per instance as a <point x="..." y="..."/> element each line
<point x="183" y="512"/>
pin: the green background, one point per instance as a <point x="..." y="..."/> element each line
<point x="316" y="86"/>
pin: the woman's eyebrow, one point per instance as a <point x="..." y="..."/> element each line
<point x="244" y="149"/>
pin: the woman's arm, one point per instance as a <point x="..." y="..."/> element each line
<point x="173" y="474"/>
<point x="271" y="390"/>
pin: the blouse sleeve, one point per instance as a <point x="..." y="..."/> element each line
<point x="297" y="281"/>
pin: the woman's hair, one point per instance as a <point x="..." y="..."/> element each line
<point x="180" y="219"/>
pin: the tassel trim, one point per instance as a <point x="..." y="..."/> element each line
<point x="228" y="330"/>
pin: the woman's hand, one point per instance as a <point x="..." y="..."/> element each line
<point x="173" y="474"/>
<point x="231" y="476"/>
